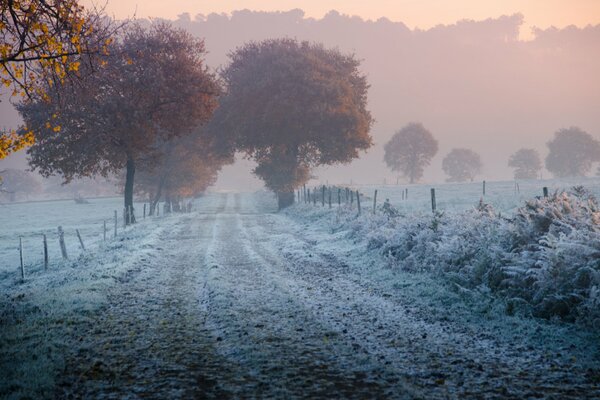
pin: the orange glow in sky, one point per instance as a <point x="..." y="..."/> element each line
<point x="414" y="13"/>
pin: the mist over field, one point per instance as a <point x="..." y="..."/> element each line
<point x="265" y="204"/>
<point x="472" y="84"/>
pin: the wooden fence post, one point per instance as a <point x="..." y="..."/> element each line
<point x="433" y="205"/>
<point x="116" y="223"/>
<point x="61" y="241"/>
<point x="545" y="189"/>
<point x="406" y="196"/>
<point x="484" y="188"/>
<point x="315" y="196"/>
<point x="21" y="258"/>
<point x="339" y="197"/>
<point x="402" y="194"/>
<point x="80" y="240"/>
<point x="358" y="201"/>
<point x="329" y="197"/>
<point x="351" y="197"/>
<point x="144" y="210"/>
<point x="45" y="252"/>
<point x="375" y="201"/>
<point x="308" y="194"/>
<point x="104" y="230"/>
<point x="323" y="196"/>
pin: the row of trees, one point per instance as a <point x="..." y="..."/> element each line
<point x="146" y="100"/>
<point x="140" y="108"/>
<point x="411" y="149"/>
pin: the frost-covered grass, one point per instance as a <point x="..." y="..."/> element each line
<point x="31" y="220"/>
<point x="462" y="196"/>
<point x="38" y="316"/>
<point x="543" y="260"/>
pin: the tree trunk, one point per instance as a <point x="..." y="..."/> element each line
<point x="285" y="199"/>
<point x="167" y="207"/>
<point x="129" y="175"/>
<point x="154" y="201"/>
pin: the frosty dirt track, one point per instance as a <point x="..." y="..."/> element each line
<point x="238" y="301"/>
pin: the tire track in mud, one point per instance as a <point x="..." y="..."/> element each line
<point x="442" y="359"/>
<point x="285" y="351"/>
<point x="150" y="340"/>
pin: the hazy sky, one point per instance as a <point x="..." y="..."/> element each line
<point x="414" y="13"/>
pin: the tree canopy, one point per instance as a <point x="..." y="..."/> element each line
<point x="410" y="150"/>
<point x="462" y="165"/>
<point x="154" y="86"/>
<point x="572" y="153"/>
<point x="526" y="162"/>
<point x="42" y="42"/>
<point x="291" y="106"/>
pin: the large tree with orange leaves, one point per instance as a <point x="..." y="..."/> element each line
<point x="154" y="86"/>
<point x="292" y="106"/>
<point x="43" y="42"/>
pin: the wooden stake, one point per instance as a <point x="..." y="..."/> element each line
<point x="80" y="240"/>
<point x="21" y="257"/>
<point x="329" y="197"/>
<point x="61" y="242"/>
<point x="116" y="223"/>
<point x="375" y="201"/>
<point x="433" y="205"/>
<point x="323" y="196"/>
<point x="339" y="197"/>
<point x="45" y="252"/>
<point x="484" y="188"/>
<point x="144" y="210"/>
<point x="104" y="231"/>
<point x="358" y="201"/>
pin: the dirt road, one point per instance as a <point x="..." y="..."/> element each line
<point x="239" y="301"/>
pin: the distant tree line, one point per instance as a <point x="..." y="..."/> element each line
<point x="572" y="153"/>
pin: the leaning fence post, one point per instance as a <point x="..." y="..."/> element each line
<point x="45" y="252"/>
<point x="545" y="189"/>
<point x="61" y="241"/>
<point x="433" y="205"/>
<point x="375" y="201"/>
<point x="21" y="258"/>
<point x="80" y="240"/>
<point x="116" y="219"/>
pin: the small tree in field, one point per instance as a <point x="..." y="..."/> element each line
<point x="462" y="165"/>
<point x="153" y="87"/>
<point x="572" y="153"/>
<point x="292" y="106"/>
<point x="410" y="150"/>
<point x="526" y="162"/>
<point x="16" y="182"/>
